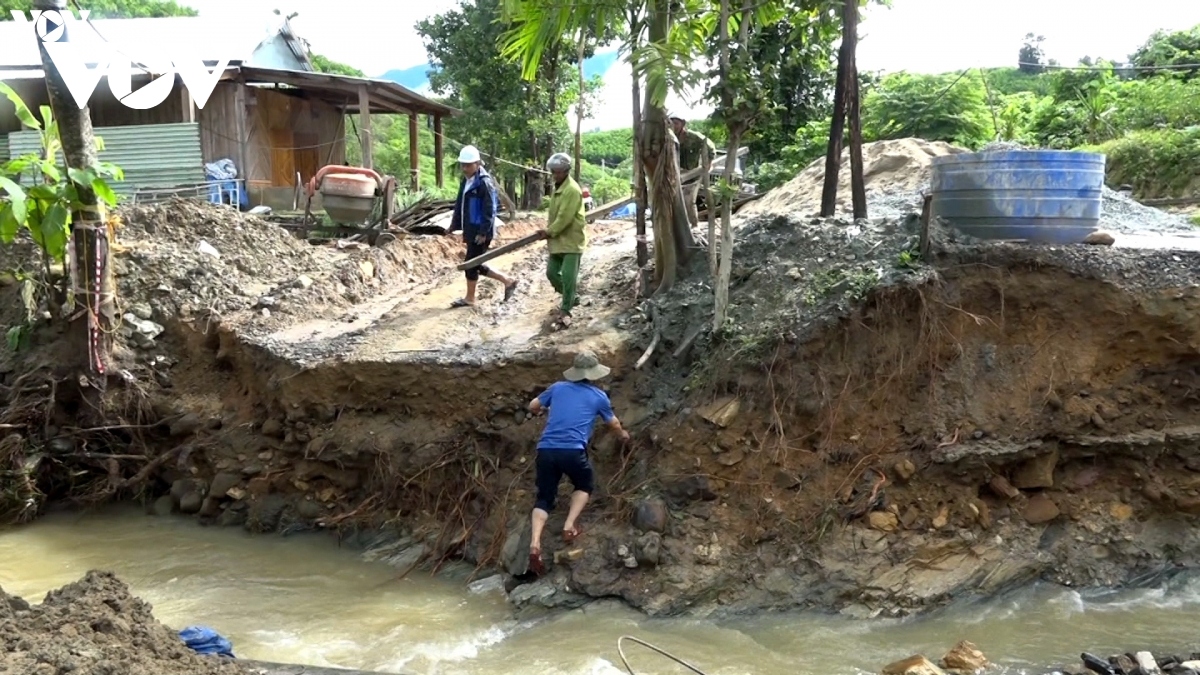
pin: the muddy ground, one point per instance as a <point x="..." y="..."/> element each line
<point x="872" y="431"/>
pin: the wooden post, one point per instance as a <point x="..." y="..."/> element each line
<point x="241" y="110"/>
<point x="837" y="128"/>
<point x="414" y="152"/>
<point x="439" y="153"/>
<point x="364" y="127"/>
<point x="189" y="106"/>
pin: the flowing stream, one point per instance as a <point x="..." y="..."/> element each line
<point x="304" y="600"/>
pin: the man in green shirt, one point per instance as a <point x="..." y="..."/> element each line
<point x="692" y="146"/>
<point x="565" y="234"/>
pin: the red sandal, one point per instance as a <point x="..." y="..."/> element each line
<point x="571" y="535"/>
<point x="535" y="563"/>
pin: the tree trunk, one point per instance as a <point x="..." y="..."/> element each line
<point x="673" y="239"/>
<point x="639" y="173"/>
<point x="858" y="188"/>
<point x="92" y="328"/>
<point x="837" y="129"/>
<point x="579" y="111"/>
<point x="725" y="266"/>
<point x="710" y="208"/>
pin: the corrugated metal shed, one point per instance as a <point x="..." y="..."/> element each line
<point x="158" y="155"/>
<point x="4" y="156"/>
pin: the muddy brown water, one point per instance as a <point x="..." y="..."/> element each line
<point x="302" y="599"/>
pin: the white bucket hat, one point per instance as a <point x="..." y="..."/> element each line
<point x="586" y="367"/>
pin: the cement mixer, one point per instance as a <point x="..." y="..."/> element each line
<point x="358" y="200"/>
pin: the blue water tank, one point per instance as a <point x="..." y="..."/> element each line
<point x="1042" y="196"/>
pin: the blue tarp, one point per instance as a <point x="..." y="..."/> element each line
<point x="204" y="640"/>
<point x="627" y="211"/>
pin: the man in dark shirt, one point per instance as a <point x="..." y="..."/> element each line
<point x="574" y="405"/>
<point x="475" y="215"/>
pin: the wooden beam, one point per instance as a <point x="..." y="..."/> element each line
<point x="502" y="250"/>
<point x="684" y="178"/>
<point x="439" y="153"/>
<point x="414" y="154"/>
<point x="364" y="126"/>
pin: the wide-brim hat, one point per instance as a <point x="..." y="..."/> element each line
<point x="586" y="367"/>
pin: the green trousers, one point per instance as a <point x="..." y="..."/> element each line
<point x="563" y="273"/>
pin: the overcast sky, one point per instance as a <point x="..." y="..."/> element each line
<point x="926" y="36"/>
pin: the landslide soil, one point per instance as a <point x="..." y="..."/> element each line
<point x="872" y="431"/>
<point x="95" y="627"/>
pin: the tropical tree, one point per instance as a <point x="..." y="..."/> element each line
<point x="110" y="9"/>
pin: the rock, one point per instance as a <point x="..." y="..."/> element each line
<point x="649" y="549"/>
<point x="514" y="555"/>
<point x="721" y="412"/>
<point x="1124" y="663"/>
<point x="630" y="562"/>
<point x="910" y="517"/>
<point x="309" y="510"/>
<point x="181" y="487"/>
<point x="222" y="483"/>
<point x="191" y="502"/>
<point x="272" y="428"/>
<point x="904" y="470"/>
<point x="965" y="656"/>
<point x="1000" y="486"/>
<point x="163" y="506"/>
<point x="208" y="249"/>
<point x="731" y="458"/>
<point x="210" y="507"/>
<point x="884" y="521"/>
<point x="983" y="513"/>
<point x="304" y="281"/>
<point x="1121" y="512"/>
<point x="1147" y="664"/>
<point x="142" y="311"/>
<point x="692" y="488"/>
<point x="650" y="515"/>
<point x="564" y="557"/>
<point x="1041" y="509"/>
<point x="942" y="519"/>
<point x="913" y="665"/>
<point x="1100" y="238"/>
<point x="1037" y="472"/>
<point x="265" y="513"/>
<point x="186" y="425"/>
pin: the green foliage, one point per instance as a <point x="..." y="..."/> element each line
<point x="1164" y="49"/>
<point x="608" y="147"/>
<point x="1168" y="101"/>
<point x="1195" y="219"/>
<point x="1012" y="81"/>
<point x="111" y="9"/>
<point x="44" y="208"/>
<point x="323" y="64"/>
<point x="935" y="107"/>
<point x="1157" y="163"/>
<point x="808" y="144"/>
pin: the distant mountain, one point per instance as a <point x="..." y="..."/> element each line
<point x="417" y="77"/>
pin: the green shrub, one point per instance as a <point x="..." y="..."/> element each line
<point x="1157" y="163"/>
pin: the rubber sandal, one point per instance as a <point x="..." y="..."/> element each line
<point x="510" y="290"/>
<point x="535" y="563"/>
<point x="569" y="536"/>
<point x="460" y="303"/>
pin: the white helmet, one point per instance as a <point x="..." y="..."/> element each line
<point x="559" y="161"/>
<point x="468" y="155"/>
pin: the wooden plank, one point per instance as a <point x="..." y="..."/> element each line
<point x="414" y="153"/>
<point x="364" y="126"/>
<point x="503" y="250"/>
<point x="240" y="112"/>
<point x="684" y="178"/>
<point x="306" y="155"/>
<point x="283" y="161"/>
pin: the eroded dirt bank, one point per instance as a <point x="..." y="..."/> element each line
<point x="869" y="433"/>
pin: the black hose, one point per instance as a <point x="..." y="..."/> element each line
<point x="647" y="645"/>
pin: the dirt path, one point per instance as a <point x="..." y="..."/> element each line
<point x="417" y="322"/>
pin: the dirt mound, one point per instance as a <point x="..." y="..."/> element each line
<point x="93" y="627"/>
<point x="894" y="172"/>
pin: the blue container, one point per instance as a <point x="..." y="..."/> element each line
<point x="1042" y="196"/>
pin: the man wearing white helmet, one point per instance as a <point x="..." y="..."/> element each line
<point x="565" y="230"/>
<point x="475" y="214"/>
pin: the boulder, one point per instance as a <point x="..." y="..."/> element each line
<point x="222" y="483"/>
<point x="913" y="665"/>
<point x="272" y="428"/>
<point x="191" y="502"/>
<point x="649" y="549"/>
<point x="1041" y="509"/>
<point x="884" y="521"/>
<point x="965" y="657"/>
<point x="650" y="515"/>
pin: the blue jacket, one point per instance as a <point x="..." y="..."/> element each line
<point x="476" y="207"/>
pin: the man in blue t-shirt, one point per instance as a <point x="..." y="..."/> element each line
<point x="574" y="406"/>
